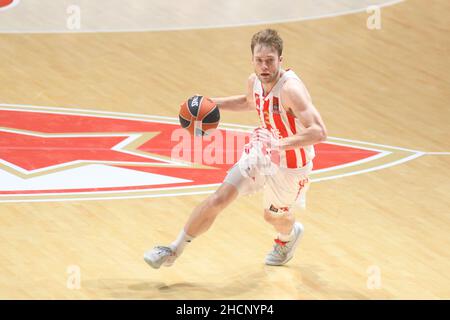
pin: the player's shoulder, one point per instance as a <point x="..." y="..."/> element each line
<point x="294" y="89"/>
<point x="293" y="85"/>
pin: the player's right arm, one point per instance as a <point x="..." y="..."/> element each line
<point x="244" y="102"/>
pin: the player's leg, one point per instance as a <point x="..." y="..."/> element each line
<point x="288" y="238"/>
<point x="284" y="191"/>
<point x="282" y="221"/>
<point x="200" y="220"/>
<point x="205" y="213"/>
<point x="202" y="217"/>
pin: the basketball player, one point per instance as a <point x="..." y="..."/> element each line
<point x="290" y="124"/>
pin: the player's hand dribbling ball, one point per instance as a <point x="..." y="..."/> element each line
<point x="199" y="114"/>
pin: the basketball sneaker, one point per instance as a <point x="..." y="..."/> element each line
<point x="284" y="251"/>
<point x="160" y="255"/>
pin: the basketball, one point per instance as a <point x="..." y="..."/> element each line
<point x="199" y="114"/>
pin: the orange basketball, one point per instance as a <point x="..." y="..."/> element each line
<point x="199" y="114"/>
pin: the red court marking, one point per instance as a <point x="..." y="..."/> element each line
<point x="4" y="3"/>
<point x="30" y="152"/>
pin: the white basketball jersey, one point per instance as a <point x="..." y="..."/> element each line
<point x="272" y="115"/>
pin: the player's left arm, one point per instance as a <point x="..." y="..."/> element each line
<point x="296" y="99"/>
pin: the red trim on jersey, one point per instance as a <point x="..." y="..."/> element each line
<point x="291" y="123"/>
<point x="266" y="114"/>
<point x="258" y="109"/>
<point x="291" y="119"/>
<point x="265" y="95"/>
<point x="262" y="89"/>
<point x="257" y="100"/>
<point x="291" y="157"/>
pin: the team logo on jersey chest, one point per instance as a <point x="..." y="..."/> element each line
<point x="60" y="154"/>
<point x="276" y="105"/>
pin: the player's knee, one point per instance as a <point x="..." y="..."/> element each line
<point x="223" y="196"/>
<point x="218" y="200"/>
<point x="269" y="217"/>
<point x="277" y="218"/>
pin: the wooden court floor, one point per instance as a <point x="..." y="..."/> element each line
<point x="388" y="86"/>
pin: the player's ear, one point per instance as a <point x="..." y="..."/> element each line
<point x="281" y="58"/>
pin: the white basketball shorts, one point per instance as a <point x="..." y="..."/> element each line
<point x="283" y="189"/>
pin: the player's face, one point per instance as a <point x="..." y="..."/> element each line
<point x="267" y="63"/>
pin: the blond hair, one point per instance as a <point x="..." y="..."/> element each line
<point x="268" y="37"/>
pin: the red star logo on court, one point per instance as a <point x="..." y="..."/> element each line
<point x="32" y="151"/>
<point x="59" y="153"/>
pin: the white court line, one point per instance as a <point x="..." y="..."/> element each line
<point x="355" y="163"/>
<point x="108" y="198"/>
<point x="200" y="27"/>
<point x="387" y="165"/>
<point x="378" y="145"/>
<point x="354" y="146"/>
<point x="204" y="186"/>
<point x="438" y="153"/>
<point x="67" y="111"/>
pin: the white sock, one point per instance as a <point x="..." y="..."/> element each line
<point x="179" y="244"/>
<point x="287" y="237"/>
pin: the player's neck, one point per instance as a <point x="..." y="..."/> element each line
<point x="269" y="86"/>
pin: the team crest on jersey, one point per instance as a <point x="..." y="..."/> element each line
<point x="276" y="106"/>
<point x="60" y="154"/>
<point x="276" y="109"/>
<point x="8" y="4"/>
